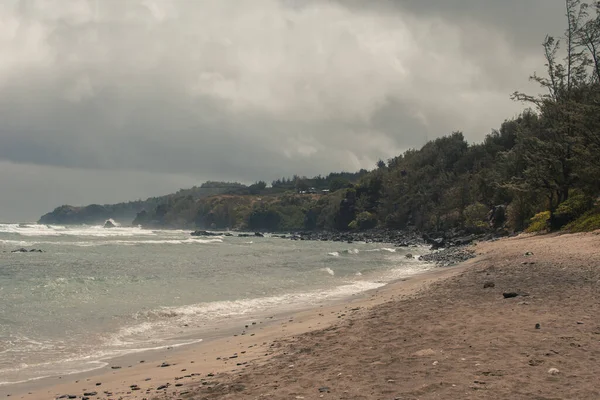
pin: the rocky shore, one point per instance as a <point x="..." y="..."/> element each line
<point x="448" y="248"/>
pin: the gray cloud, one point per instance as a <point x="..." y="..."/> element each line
<point x="187" y="91"/>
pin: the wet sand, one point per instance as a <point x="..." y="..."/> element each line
<point x="445" y="334"/>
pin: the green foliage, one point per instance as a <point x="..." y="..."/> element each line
<point x="339" y="183"/>
<point x="476" y="217"/>
<point x="539" y="223"/>
<point x="364" y="220"/>
<point x="263" y="218"/>
<point x="257" y="188"/>
<point x="590" y="221"/>
<point x="570" y="210"/>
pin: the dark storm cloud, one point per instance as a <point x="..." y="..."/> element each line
<point x="103" y="91"/>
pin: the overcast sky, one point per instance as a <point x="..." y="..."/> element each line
<point x="110" y="100"/>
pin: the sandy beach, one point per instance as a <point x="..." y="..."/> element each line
<point x="446" y="334"/>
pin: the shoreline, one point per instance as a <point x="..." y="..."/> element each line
<point x="446" y="333"/>
<point x="267" y="329"/>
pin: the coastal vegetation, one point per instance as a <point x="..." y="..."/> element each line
<point x="538" y="171"/>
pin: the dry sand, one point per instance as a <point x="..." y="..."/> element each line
<point x="440" y="335"/>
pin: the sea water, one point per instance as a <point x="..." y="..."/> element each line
<point x="96" y="293"/>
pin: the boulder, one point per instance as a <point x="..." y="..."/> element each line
<point x="497" y="216"/>
<point x="204" y="233"/>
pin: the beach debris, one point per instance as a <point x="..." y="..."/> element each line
<point x="508" y="295"/>
<point x="553" y="371"/>
<point x="115" y="367"/>
<point x="324" y="389"/>
<point x="161" y="387"/>
<point x="164" y="364"/>
<point x="579" y="323"/>
<point x="529" y="253"/>
<point x="98" y="383"/>
<point x="489" y="285"/>
<point x="538" y="326"/>
<point x="90" y="393"/>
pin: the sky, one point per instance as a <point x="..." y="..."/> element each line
<point x="104" y="101"/>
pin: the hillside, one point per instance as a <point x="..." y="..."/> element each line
<point x="124" y="213"/>
<point x="539" y="171"/>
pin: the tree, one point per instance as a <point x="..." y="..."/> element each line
<point x="553" y="151"/>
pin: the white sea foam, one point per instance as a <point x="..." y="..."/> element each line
<point x="216" y="239"/>
<point x="334" y="254"/>
<point x="163" y="321"/>
<point x="329" y="271"/>
<point x="389" y="250"/>
<point x="59" y="230"/>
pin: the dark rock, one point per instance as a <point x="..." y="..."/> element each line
<point x="21" y="250"/>
<point x="258" y="234"/>
<point x="204" y="233"/>
<point x="489" y="285"/>
<point x="529" y="253"/>
<point x="90" y="393"/>
<point x="324" y="389"/>
<point x="449" y="256"/>
<point x="509" y="295"/>
<point x="115" y="367"/>
<point x="497" y="216"/>
<point x="164" y="364"/>
<point x="409" y="255"/>
<point x="161" y="387"/>
<point x="538" y="326"/>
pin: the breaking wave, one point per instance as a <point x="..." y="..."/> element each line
<point x="83" y="230"/>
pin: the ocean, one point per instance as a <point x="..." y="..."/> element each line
<point x="94" y="293"/>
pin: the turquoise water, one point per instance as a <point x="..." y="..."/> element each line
<point x="97" y="293"/>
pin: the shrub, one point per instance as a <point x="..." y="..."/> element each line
<point x="570" y="210"/>
<point x="364" y="220"/>
<point x="539" y="222"/>
<point x="590" y="221"/>
<point x="476" y="217"/>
